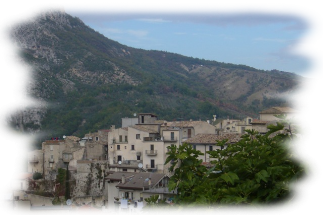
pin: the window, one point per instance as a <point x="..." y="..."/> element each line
<point x="189" y="133"/>
<point x="249" y="121"/>
<point x="126" y="138"/>
<point x="210" y="148"/>
<point x="51" y="148"/>
<point x="142" y="119"/>
<point x="119" y="158"/>
<point x="132" y="147"/>
<point x="194" y="147"/>
<point x="96" y="138"/>
<point x="125" y="147"/>
<point x="120" y="138"/>
<point x="124" y="170"/>
<point x="137" y="136"/>
<point x="172" y="135"/>
<point x="118" y="147"/>
<point x="138" y="157"/>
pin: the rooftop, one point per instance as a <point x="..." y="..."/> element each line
<point x="140" y="180"/>
<point x="213" y="138"/>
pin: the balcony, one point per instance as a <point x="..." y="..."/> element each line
<point x="170" y="139"/>
<point x="150" y="139"/>
<point x="51" y="160"/>
<point x="33" y="160"/>
<point x="151" y="152"/>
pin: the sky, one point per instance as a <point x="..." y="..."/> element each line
<point x="260" y="40"/>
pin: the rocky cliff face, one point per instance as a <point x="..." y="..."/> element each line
<point x="27" y="25"/>
<point x="86" y="82"/>
<point x="42" y="49"/>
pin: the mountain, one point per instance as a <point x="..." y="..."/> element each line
<point x="87" y="82"/>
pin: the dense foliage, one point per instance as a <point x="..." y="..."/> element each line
<point x="257" y="169"/>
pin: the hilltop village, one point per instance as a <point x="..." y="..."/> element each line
<point x="117" y="168"/>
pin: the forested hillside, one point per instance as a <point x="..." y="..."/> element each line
<point x="88" y="82"/>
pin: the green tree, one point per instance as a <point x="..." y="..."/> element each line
<point x="257" y="169"/>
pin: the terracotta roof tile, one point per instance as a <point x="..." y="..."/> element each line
<point x="257" y="121"/>
<point x="213" y="138"/>
<point x="21" y="176"/>
<point x="145" y="128"/>
<point x="184" y="123"/>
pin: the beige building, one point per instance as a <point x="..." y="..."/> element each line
<point x="270" y="114"/>
<point x="53" y="155"/>
<point x="132" y="188"/>
<point x="96" y="145"/>
<point x="35" y="161"/>
<point x="191" y="128"/>
<point x="209" y="142"/>
<point x="233" y="126"/>
<point x="144" y="146"/>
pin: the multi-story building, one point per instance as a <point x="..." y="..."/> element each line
<point x="144" y="146"/>
<point x="209" y="142"/>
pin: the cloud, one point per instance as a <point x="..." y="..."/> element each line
<point x="137" y="33"/>
<point x="306" y="48"/>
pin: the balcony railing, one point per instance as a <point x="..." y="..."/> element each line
<point x="151" y="139"/>
<point x="151" y="152"/>
<point x="51" y="160"/>
<point x="170" y="139"/>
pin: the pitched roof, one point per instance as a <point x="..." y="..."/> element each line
<point x="213" y="138"/>
<point x="85" y="210"/>
<point x="145" y="128"/>
<point x="184" y="123"/>
<point x="116" y="176"/>
<point x="22" y="175"/>
<point x="141" y="180"/>
<point x="278" y="110"/>
<point x="257" y="121"/>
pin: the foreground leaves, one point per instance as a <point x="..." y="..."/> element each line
<point x="257" y="169"/>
